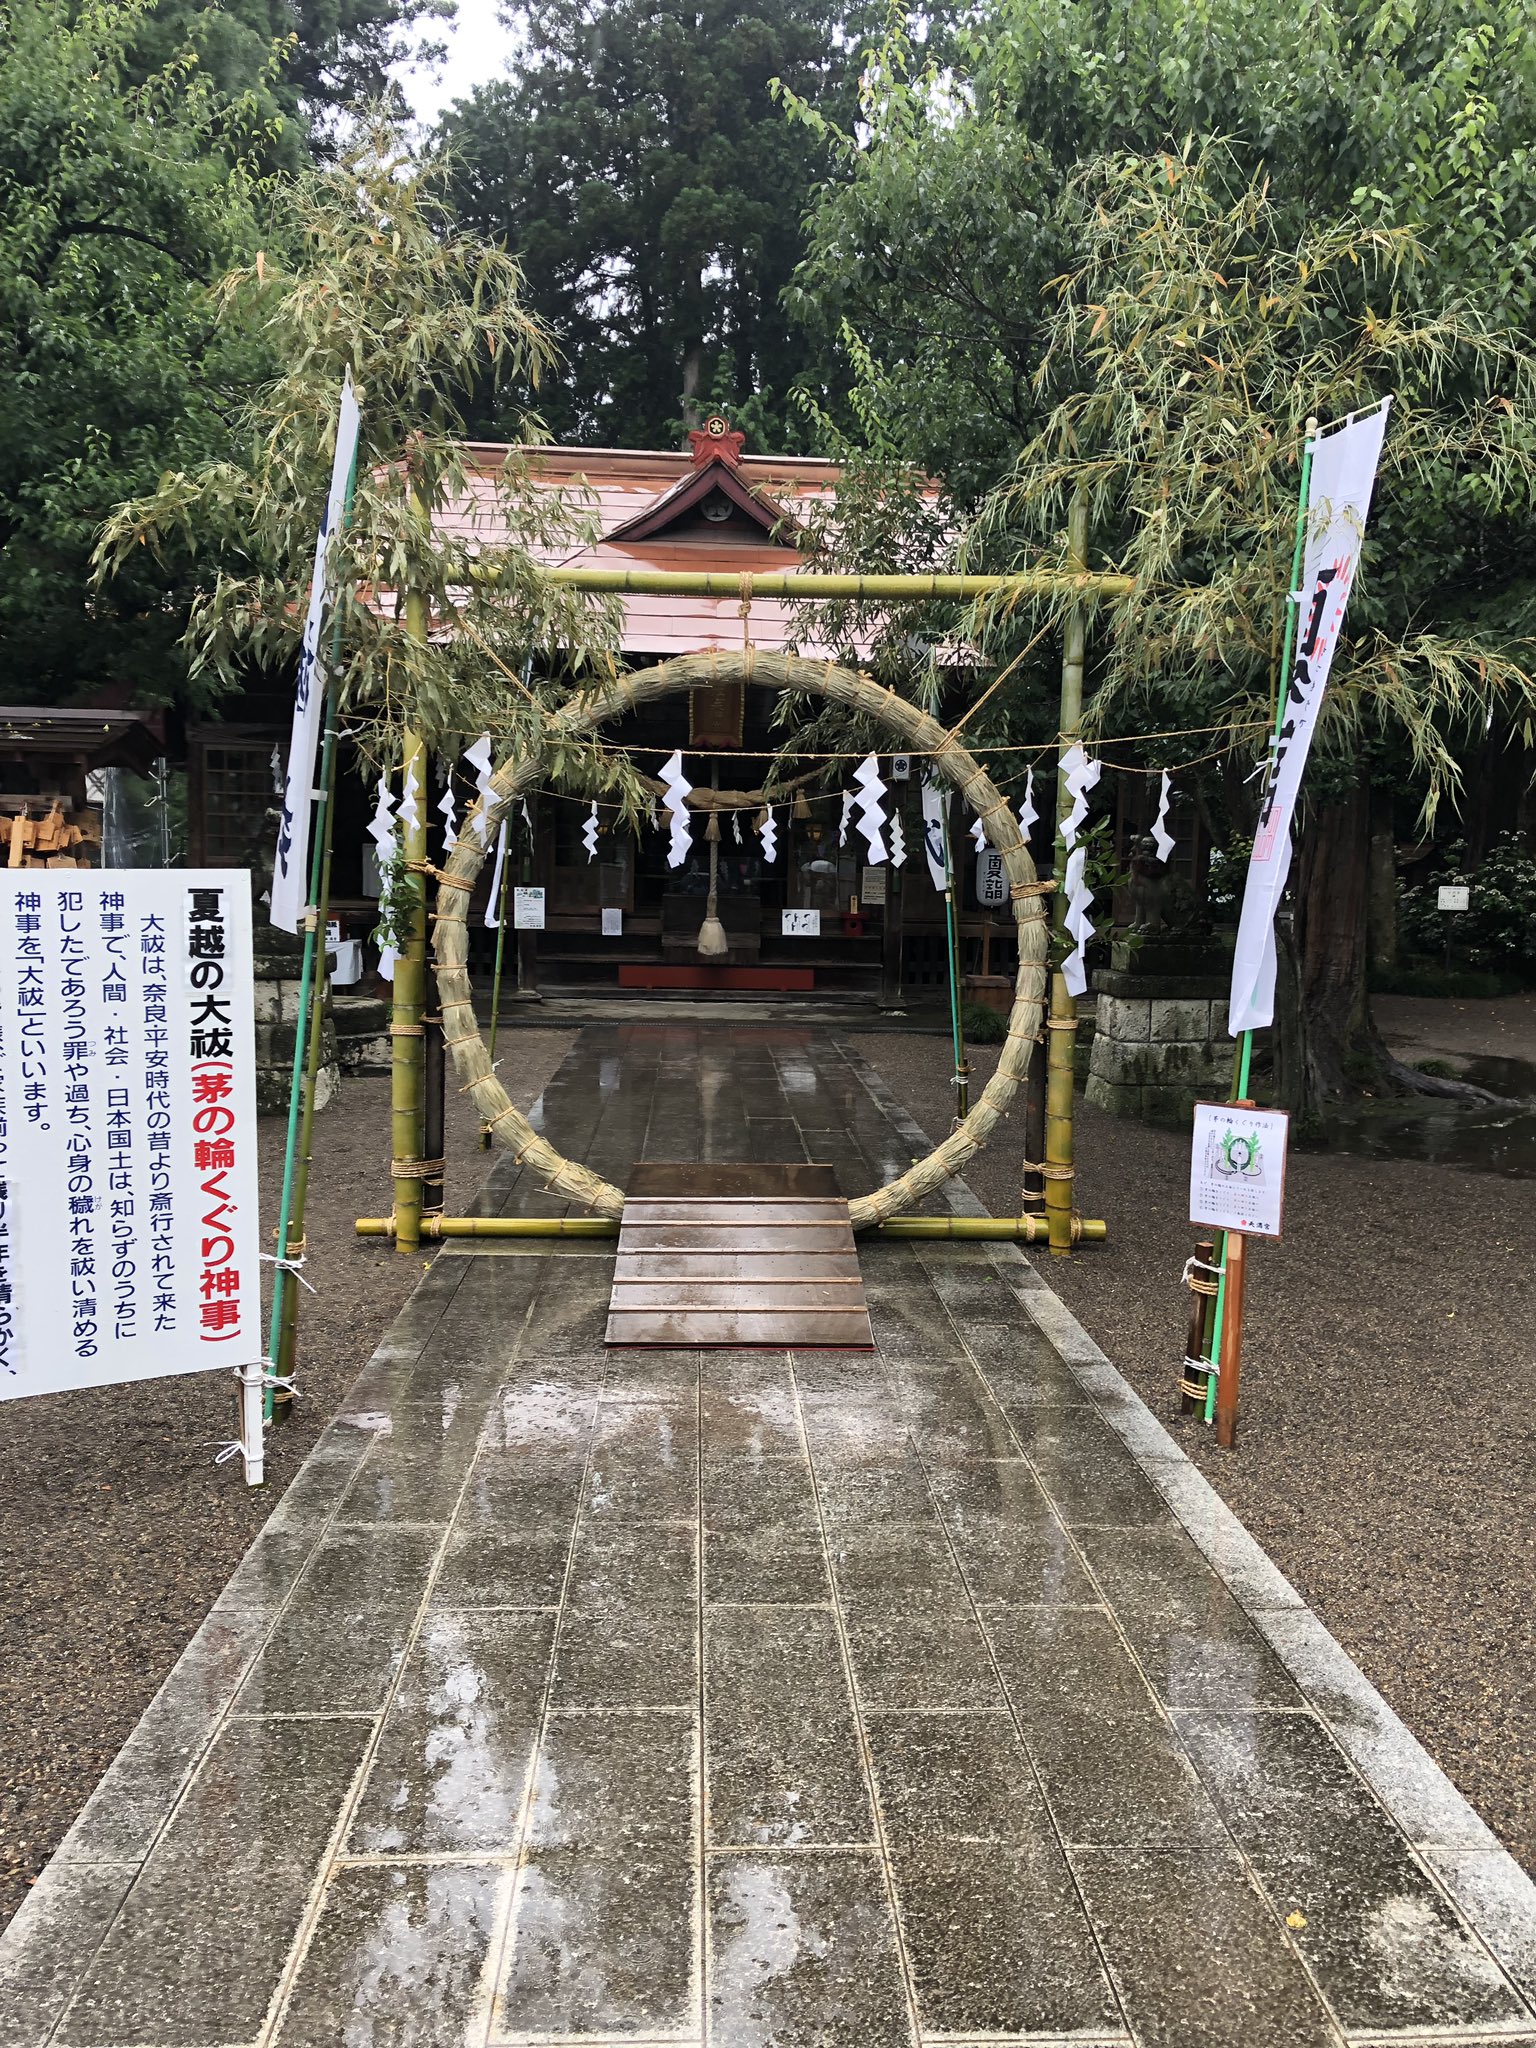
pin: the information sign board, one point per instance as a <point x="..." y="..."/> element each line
<point x="528" y="910"/>
<point x="1454" y="896"/>
<point x="801" y="924"/>
<point x="129" y="1238"/>
<point x="1237" y="1168"/>
<point x="613" y="923"/>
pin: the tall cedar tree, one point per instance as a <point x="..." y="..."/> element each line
<point x="653" y="192"/>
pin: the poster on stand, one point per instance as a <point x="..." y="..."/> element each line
<point x="129" y="1241"/>
<point x="1237" y="1168"/>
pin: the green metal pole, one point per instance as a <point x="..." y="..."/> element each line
<point x="319" y="868"/>
<point x="1243" y="1055"/>
<point x="952" y="940"/>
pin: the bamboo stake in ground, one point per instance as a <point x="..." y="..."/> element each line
<point x="1061" y="1031"/>
<point x="1228" y="1386"/>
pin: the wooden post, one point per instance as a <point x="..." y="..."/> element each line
<point x="406" y="1028"/>
<point x="528" y="942"/>
<point x="1061" y="1027"/>
<point x="1202" y="1292"/>
<point x="1231" y="1345"/>
<point x="890" y="943"/>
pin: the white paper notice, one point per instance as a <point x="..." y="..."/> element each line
<point x="527" y="910"/>
<point x="801" y="924"/>
<point x="1237" y="1168"/>
<point x="128" y="1201"/>
<point x="613" y="924"/>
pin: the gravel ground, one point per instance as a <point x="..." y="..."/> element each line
<point x="1386" y="1451"/>
<point x="117" y="1531"/>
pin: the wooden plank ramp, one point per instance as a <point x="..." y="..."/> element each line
<point x="737" y="1253"/>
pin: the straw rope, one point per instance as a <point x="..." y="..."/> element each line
<point x="923" y="734"/>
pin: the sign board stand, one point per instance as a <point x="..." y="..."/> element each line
<point x="1237" y="1184"/>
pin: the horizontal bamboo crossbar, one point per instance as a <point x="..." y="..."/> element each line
<point x="996" y="1229"/>
<point x="808" y="583"/>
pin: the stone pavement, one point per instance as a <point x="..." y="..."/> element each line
<point x="761" y="1697"/>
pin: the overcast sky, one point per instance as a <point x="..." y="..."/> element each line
<point x="478" y="48"/>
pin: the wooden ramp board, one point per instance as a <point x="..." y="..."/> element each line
<point x="765" y="1255"/>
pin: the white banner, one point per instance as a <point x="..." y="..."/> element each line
<point x="1344" y="463"/>
<point x="935" y="798"/>
<point x="290" y="870"/>
<point x="128" y="1207"/>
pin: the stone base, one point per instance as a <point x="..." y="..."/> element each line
<point x="1160" y="1045"/>
<point x="362" y="1033"/>
<point x="277" y="1010"/>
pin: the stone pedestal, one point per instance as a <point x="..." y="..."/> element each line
<point x="279" y="962"/>
<point x="1160" y="1042"/>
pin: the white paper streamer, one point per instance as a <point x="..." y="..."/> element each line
<point x="1074" y="971"/>
<point x="1081" y="774"/>
<point x="933" y="833"/>
<point x="589" y="834"/>
<point x="898" y="842"/>
<point x="871" y="818"/>
<point x="479" y="758"/>
<point x="449" y="811"/>
<point x="493" y="901"/>
<point x="978" y="835"/>
<point x="409" y="814"/>
<point x="1029" y="817"/>
<point x="1160" y="830"/>
<point x="382" y="831"/>
<point x="768" y="837"/>
<point x="678" y="789"/>
<point x="736" y="826"/>
<point x="849" y="798"/>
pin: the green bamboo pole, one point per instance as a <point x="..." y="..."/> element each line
<point x="407" y="1064"/>
<point x="952" y="942"/>
<point x="284" y="1289"/>
<point x="911" y="1229"/>
<point x="1061" y="1027"/>
<point x="1242" y="1060"/>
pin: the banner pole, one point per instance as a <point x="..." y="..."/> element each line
<point x="1244" y="1055"/>
<point x="319" y="870"/>
<point x="501" y="947"/>
<point x="952" y="942"/>
<point x="1061" y="1026"/>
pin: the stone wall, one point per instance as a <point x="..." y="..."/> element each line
<point x="1160" y="1043"/>
<point x="278" y="965"/>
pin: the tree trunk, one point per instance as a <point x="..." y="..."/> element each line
<point x="1383" y="924"/>
<point x="1328" y="1049"/>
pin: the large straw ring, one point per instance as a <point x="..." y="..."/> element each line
<point x="922" y="734"/>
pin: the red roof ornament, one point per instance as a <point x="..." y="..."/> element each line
<point x="716" y="441"/>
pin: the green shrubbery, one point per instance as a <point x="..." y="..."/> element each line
<point x="1497" y="934"/>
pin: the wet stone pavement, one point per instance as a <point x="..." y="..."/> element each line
<point x="761" y="1697"/>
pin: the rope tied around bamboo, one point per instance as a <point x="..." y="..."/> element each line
<point x="923" y="733"/>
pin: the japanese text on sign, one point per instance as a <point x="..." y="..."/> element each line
<point x="1237" y="1168"/>
<point x="128" y="1208"/>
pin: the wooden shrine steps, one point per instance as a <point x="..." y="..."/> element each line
<point x="721" y="1253"/>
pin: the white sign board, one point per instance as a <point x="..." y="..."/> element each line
<point x="128" y="1211"/>
<point x="1237" y="1168"/>
<point x="613" y="924"/>
<point x="872" y="887"/>
<point x="1454" y="896"/>
<point x="991" y="877"/>
<point x="801" y="924"/>
<point x="528" y="910"/>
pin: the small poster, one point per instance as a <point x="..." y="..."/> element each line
<point x="801" y="924"/>
<point x="528" y="910"/>
<point x="901" y="767"/>
<point x="872" y="887"/>
<point x="991" y="878"/>
<point x="613" y="924"/>
<point x="129" y="1239"/>
<point x="1237" y="1168"/>
<point x="1454" y="896"/>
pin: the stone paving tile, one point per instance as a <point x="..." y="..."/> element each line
<point x="1384" y="1945"/>
<point x="645" y="1461"/>
<point x="1198" y="1957"/>
<point x="1011" y="1547"/>
<point x="919" y="1658"/>
<point x="803" y="1949"/>
<point x="397" y="1957"/>
<point x="781" y="1746"/>
<point x="454" y="1751"/>
<point x="1113" y="1770"/>
<point x="41" y="1962"/>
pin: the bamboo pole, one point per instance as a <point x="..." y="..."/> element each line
<point x="1228" y="1385"/>
<point x="1061" y="1029"/>
<point x="501" y="948"/>
<point x="795" y="583"/>
<point x="912" y="1229"/>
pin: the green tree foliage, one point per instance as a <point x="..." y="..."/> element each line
<point x="380" y="284"/>
<point x="118" y="204"/>
<point x="654" y="193"/>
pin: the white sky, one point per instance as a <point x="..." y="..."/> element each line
<point x="478" y="49"/>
